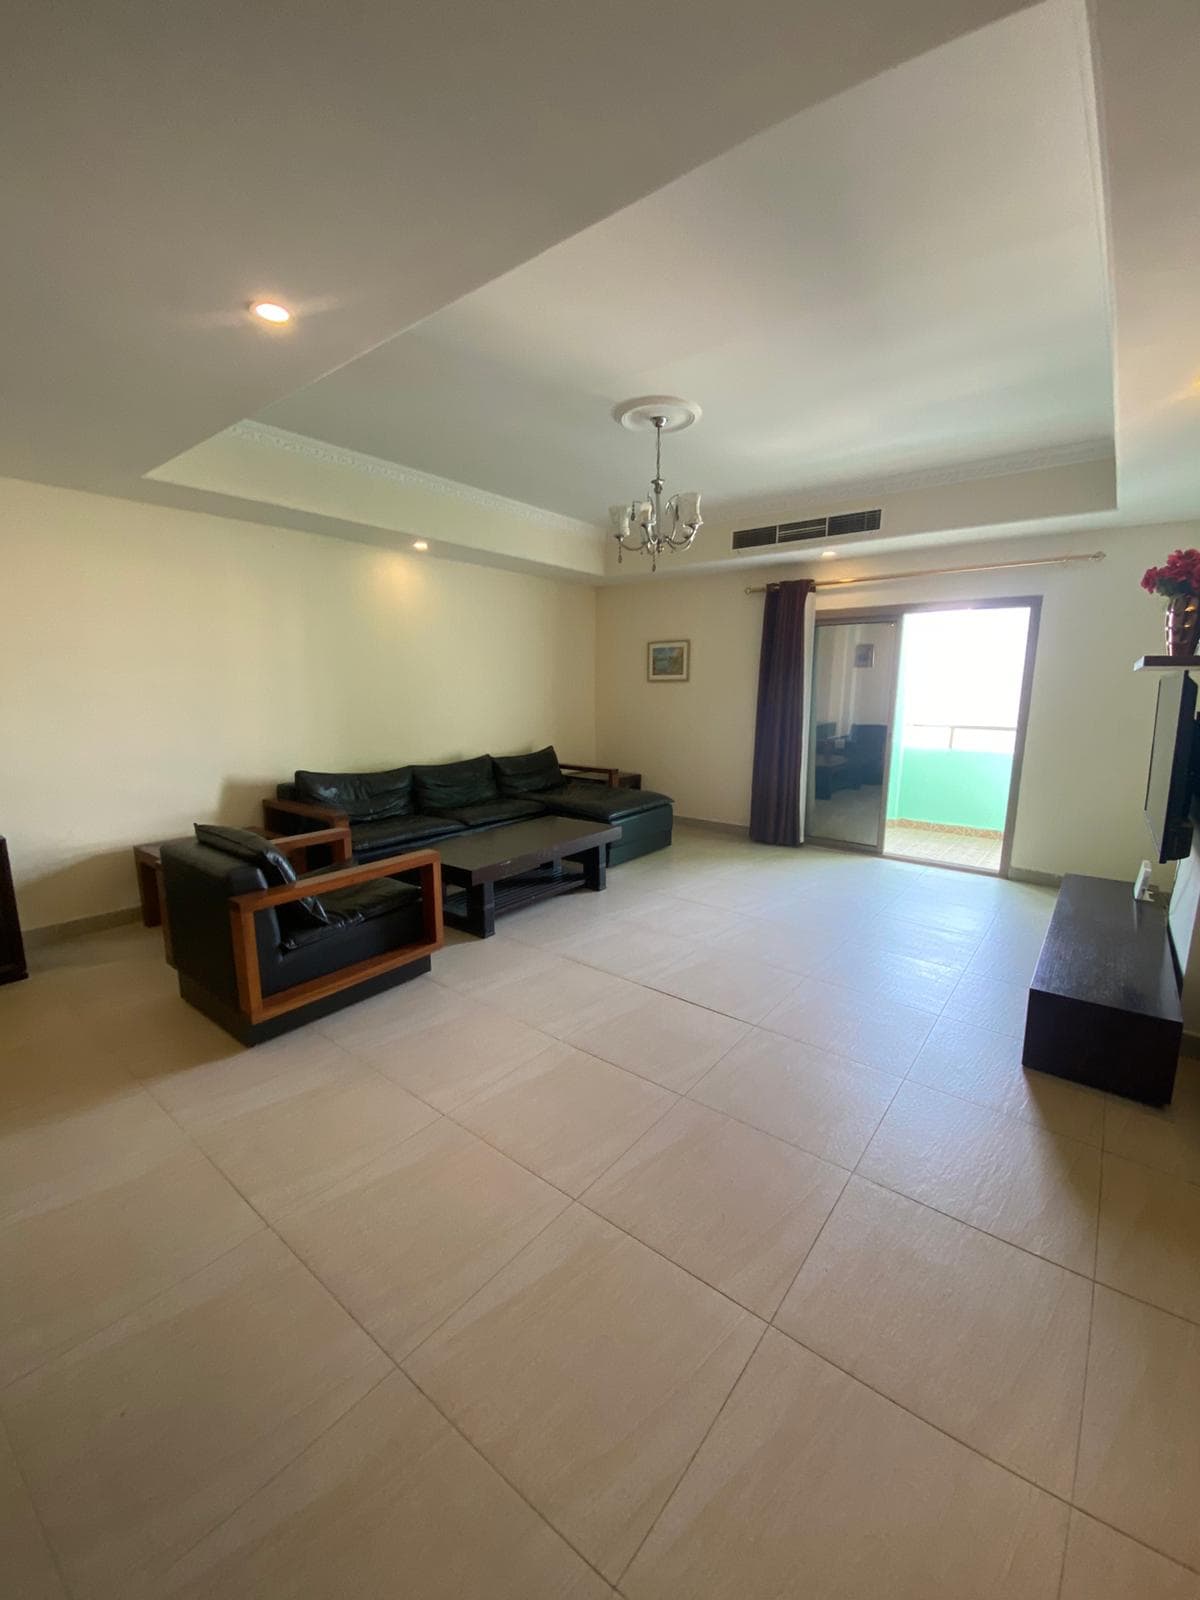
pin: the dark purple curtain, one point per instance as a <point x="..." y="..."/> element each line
<point x="775" y="790"/>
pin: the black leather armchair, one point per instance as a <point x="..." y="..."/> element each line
<point x="261" y="951"/>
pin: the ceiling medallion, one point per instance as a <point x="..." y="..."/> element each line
<point x="654" y="525"/>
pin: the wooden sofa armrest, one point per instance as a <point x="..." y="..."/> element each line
<point x="288" y="816"/>
<point x="242" y="909"/>
<point x="337" y="840"/>
<point x="609" y="774"/>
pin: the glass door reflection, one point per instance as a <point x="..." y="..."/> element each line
<point x="854" y="690"/>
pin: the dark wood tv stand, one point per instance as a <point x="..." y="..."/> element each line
<point x="1104" y="1005"/>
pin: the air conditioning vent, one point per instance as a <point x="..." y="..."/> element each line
<point x="814" y="528"/>
<point x="750" y="538"/>
<point x="810" y="528"/>
<point x="855" y="522"/>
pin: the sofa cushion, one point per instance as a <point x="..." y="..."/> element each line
<point x="363" y="796"/>
<point x="442" y="788"/>
<point x="392" y="834"/>
<point x="598" y="803"/>
<point x="361" y="902"/>
<point x="491" y="813"/>
<point x="299" y="919"/>
<point x="522" y="775"/>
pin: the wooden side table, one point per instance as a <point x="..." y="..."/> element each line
<point x="12" y="946"/>
<point x="147" y="861"/>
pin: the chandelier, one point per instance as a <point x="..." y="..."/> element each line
<point x="654" y="525"/>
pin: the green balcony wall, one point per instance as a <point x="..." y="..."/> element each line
<point x="964" y="788"/>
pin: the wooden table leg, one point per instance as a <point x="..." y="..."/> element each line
<point x="481" y="910"/>
<point x="149" y="880"/>
<point x="595" y="867"/>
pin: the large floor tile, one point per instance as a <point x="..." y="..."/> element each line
<point x="69" y="1271"/>
<point x="661" y="1038"/>
<point x="1102" y="1564"/>
<point x="566" y="1115"/>
<point x="983" y="1066"/>
<point x="823" y="1103"/>
<point x="985" y="1341"/>
<point x="202" y="1095"/>
<point x="61" y="1063"/>
<point x="867" y="1028"/>
<point x="137" y="1442"/>
<point x="811" y="1484"/>
<point x="1139" y="1451"/>
<point x="303" y="1143"/>
<point x="889" y="932"/>
<point x="1167" y="1139"/>
<point x="732" y="1205"/>
<point x="391" y="1501"/>
<point x="732" y="984"/>
<point x="910" y="979"/>
<point x="1032" y="1188"/>
<point x="989" y="1002"/>
<point x="561" y="996"/>
<point x="587" y="1372"/>
<point x="627" y="948"/>
<point x="28" y="1567"/>
<point x="403" y="1242"/>
<point x="70" y="1146"/>
<point x="1150" y="1236"/>
<point x="450" y="1058"/>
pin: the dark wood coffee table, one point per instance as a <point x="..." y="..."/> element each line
<point x="499" y="869"/>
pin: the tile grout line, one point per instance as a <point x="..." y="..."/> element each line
<point x="504" y="1478"/>
<point x="1068" y="1504"/>
<point x="687" y="1466"/>
<point x="51" y="1548"/>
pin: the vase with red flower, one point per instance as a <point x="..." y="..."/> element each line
<point x="1179" y="580"/>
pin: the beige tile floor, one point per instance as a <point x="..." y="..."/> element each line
<point x="700" y="1241"/>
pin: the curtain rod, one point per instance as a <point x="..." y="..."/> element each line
<point x="940" y="572"/>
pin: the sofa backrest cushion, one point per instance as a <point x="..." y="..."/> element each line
<point x="456" y="783"/>
<point x="297" y="916"/>
<point x="522" y="775"/>
<point x="363" y="796"/>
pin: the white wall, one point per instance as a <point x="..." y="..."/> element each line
<point x="1091" y="717"/>
<point x="163" y="667"/>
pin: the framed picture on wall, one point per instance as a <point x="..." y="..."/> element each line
<point x="864" y="655"/>
<point x="668" y="660"/>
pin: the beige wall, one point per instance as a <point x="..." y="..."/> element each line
<point x="1090" y="721"/>
<point x="162" y="667"/>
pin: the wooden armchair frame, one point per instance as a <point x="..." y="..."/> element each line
<point x="336" y="840"/>
<point x="284" y="816"/>
<point x="609" y="774"/>
<point x="243" y="908"/>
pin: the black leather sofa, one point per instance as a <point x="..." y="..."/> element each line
<point x="408" y="807"/>
<point x="261" y="951"/>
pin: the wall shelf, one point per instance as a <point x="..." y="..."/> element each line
<point x="1167" y="664"/>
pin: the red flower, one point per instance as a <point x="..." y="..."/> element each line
<point x="1180" y="574"/>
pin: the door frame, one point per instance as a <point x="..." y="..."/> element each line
<point x="896" y="613"/>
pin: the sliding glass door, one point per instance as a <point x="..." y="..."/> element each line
<point x="854" y="691"/>
<point x="917" y="729"/>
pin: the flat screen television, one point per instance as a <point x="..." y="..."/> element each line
<point x="1171" y="781"/>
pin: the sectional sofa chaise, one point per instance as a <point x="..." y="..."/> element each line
<point x="406" y="808"/>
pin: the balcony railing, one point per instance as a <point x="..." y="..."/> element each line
<point x="974" y="737"/>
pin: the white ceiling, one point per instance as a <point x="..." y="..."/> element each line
<point x="369" y="163"/>
<point x="908" y="276"/>
<point x="879" y="243"/>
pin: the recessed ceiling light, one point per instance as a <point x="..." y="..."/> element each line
<point x="420" y="544"/>
<point x="271" y="311"/>
<point x="828" y="555"/>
